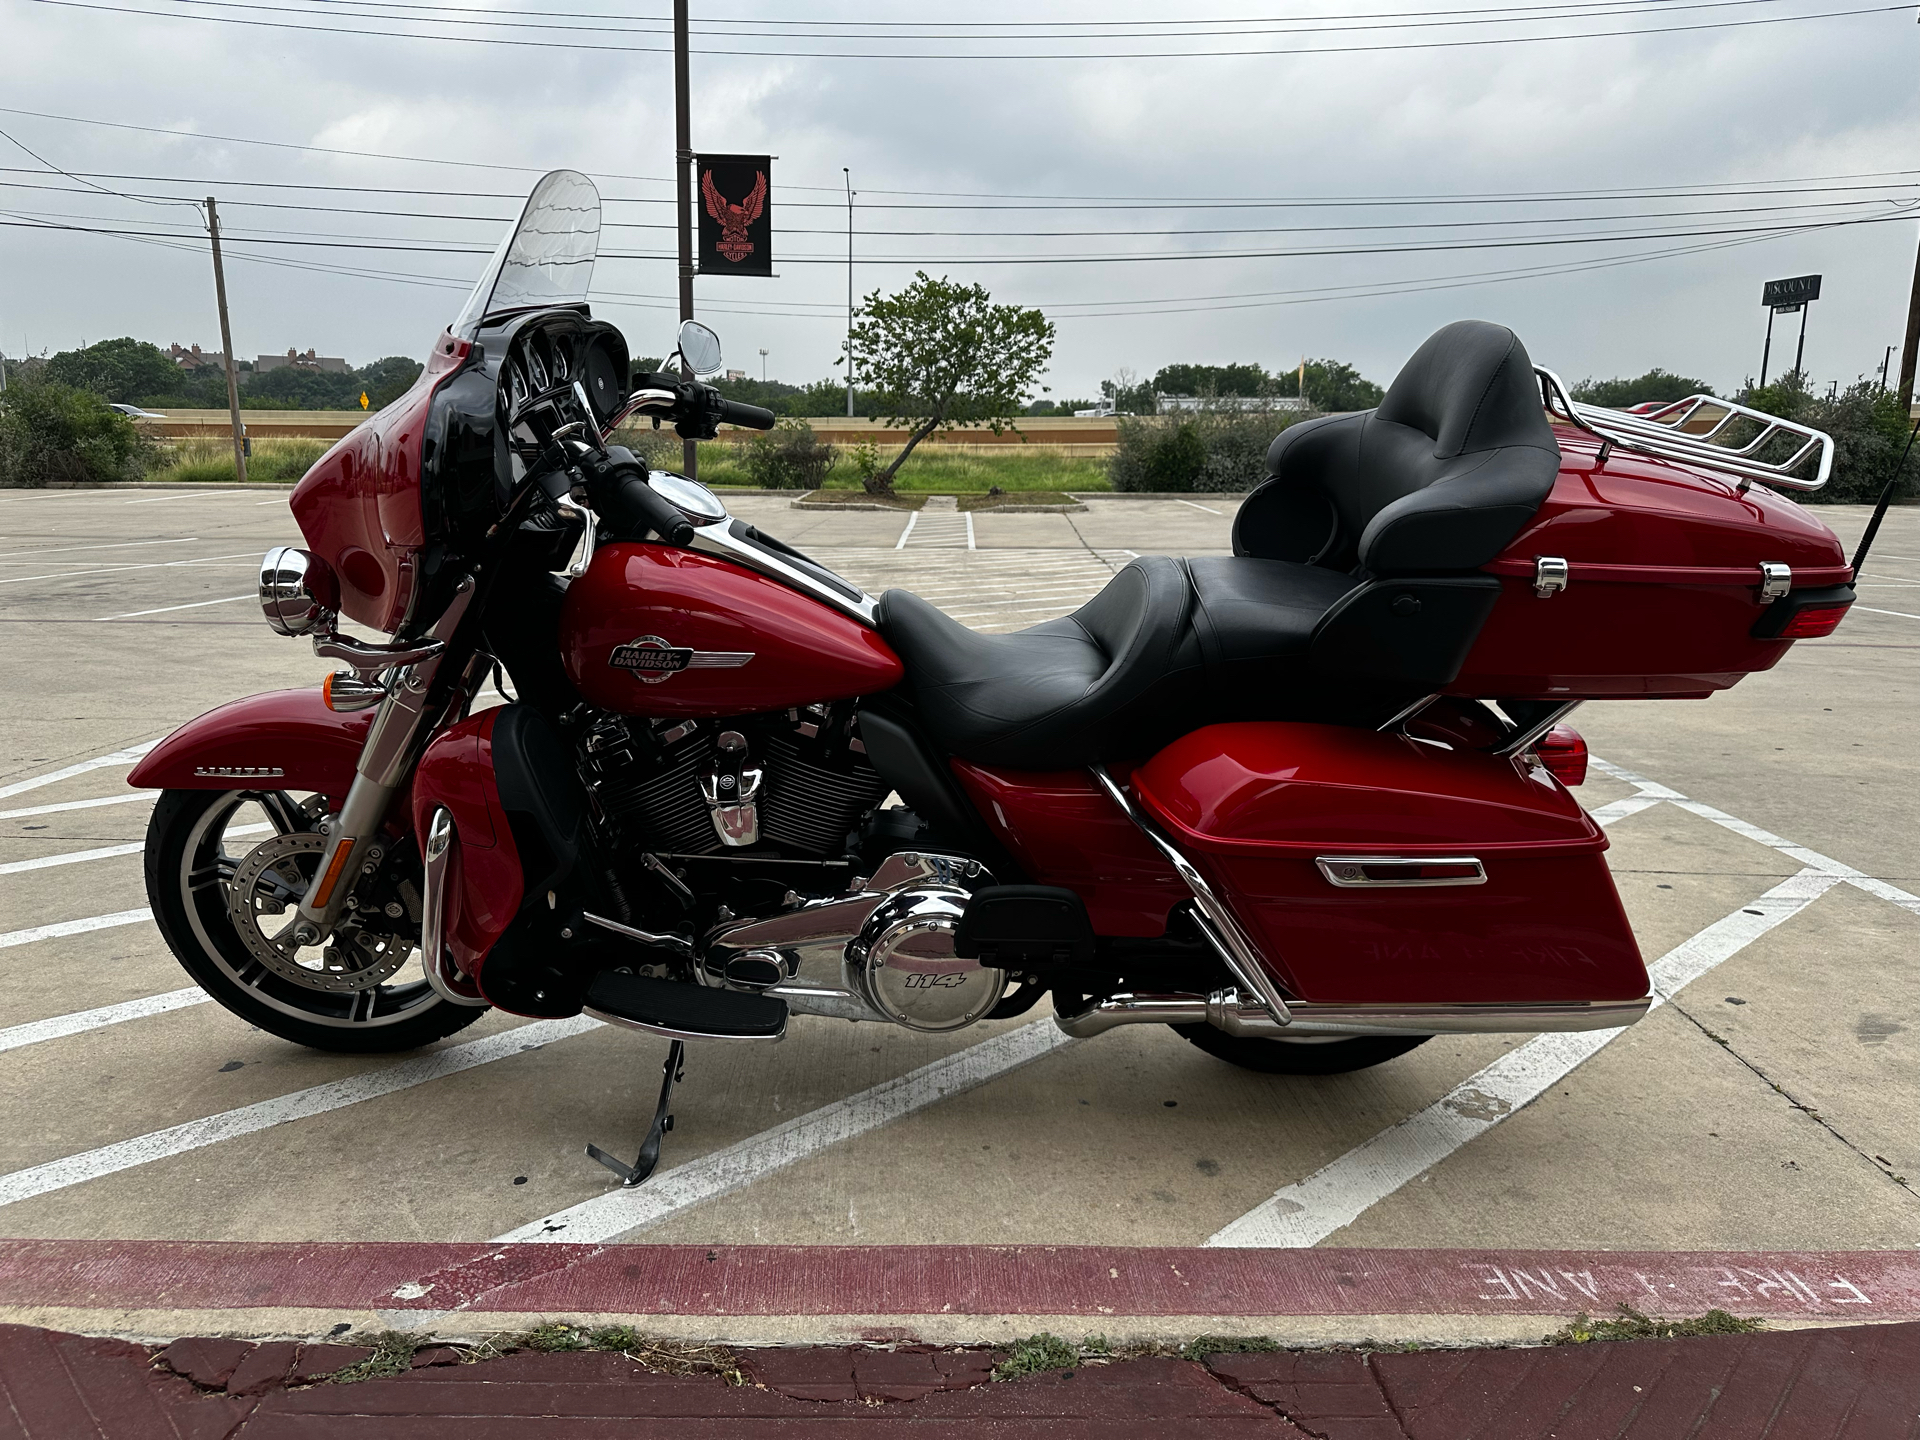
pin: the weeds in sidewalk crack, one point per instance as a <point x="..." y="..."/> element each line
<point x="1630" y="1324"/>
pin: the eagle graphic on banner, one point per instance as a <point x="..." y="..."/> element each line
<point x="733" y="219"/>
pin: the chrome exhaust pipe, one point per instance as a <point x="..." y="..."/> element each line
<point x="1227" y="1010"/>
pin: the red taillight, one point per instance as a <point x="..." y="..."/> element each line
<point x="1813" y="622"/>
<point x="1563" y="754"/>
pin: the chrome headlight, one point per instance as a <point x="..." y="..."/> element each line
<point x="298" y="591"/>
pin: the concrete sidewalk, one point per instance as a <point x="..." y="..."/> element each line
<point x="1861" y="1383"/>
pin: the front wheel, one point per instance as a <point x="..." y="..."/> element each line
<point x="225" y="873"/>
<point x="1303" y="1054"/>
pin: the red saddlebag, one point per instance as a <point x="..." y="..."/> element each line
<point x="1375" y="868"/>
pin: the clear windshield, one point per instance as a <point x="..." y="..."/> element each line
<point x="546" y="259"/>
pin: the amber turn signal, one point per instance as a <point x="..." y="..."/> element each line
<point x="343" y="692"/>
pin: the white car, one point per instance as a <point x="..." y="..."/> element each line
<point x="134" y="412"/>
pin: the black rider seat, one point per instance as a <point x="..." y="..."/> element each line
<point x="1353" y="586"/>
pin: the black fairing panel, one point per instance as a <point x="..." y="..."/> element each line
<point x="545" y="804"/>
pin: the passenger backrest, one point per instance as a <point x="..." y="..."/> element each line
<point x="1439" y="477"/>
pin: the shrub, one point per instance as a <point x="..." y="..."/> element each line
<point x="1869" y="430"/>
<point x="789" y="457"/>
<point x="1656" y="384"/>
<point x="52" y="433"/>
<point x="207" y="460"/>
<point x="1206" y="450"/>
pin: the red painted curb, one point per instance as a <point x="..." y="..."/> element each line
<point x="949" y="1279"/>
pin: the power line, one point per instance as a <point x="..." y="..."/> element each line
<point x="1715" y="189"/>
<point x="96" y="5"/>
<point x="400" y="12"/>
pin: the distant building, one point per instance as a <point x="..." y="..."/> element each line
<point x="294" y="360"/>
<point x="194" y="358"/>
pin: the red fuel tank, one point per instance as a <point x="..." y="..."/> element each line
<point x="653" y="630"/>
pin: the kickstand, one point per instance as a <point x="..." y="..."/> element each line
<point x="637" y="1173"/>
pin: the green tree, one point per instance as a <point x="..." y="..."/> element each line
<point x="1236" y="379"/>
<point x="939" y="354"/>
<point x="386" y="380"/>
<point x="1656" y="384"/>
<point x="54" y="433"/>
<point x="1334" y="385"/>
<point x="119" y="371"/>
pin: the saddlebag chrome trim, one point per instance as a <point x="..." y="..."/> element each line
<point x="1360" y="872"/>
<point x="1240" y="1015"/>
<point x="1214" y="919"/>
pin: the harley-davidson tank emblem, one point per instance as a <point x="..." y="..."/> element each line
<point x="653" y="660"/>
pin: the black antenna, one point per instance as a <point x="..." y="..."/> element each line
<point x="1886" y="499"/>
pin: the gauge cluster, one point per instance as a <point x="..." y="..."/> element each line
<point x="545" y="360"/>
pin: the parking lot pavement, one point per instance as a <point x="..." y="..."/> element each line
<point x="1763" y="843"/>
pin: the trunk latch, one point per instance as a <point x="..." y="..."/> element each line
<point x="1550" y="574"/>
<point x="1775" y="580"/>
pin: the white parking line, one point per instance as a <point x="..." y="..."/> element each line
<point x="1900" y="613"/>
<point x="105" y="852"/>
<point x="970" y="544"/>
<point x="74" y="927"/>
<point x="126" y="799"/>
<point x="195" y="605"/>
<point x="265" y="1114"/>
<point x="190" y="495"/>
<point x="901" y="543"/>
<point x="1799" y="854"/>
<point x="116" y="545"/>
<point x="1208" y="508"/>
<point x="122" y="569"/>
<point x="1308" y="1211"/>
<point x="60" y="1026"/>
<point x="99" y="762"/>
<point x="619" y="1212"/>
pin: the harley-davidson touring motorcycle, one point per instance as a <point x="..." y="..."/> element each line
<point x="1306" y="803"/>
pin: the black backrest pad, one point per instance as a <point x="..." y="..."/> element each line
<point x="1440" y="477"/>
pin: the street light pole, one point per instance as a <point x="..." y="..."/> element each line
<point x="849" y="178"/>
<point x="763" y="365"/>
<point x="683" y="189"/>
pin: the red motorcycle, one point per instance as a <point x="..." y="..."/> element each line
<point x="1307" y="803"/>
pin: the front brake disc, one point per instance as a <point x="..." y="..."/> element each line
<point x="268" y="883"/>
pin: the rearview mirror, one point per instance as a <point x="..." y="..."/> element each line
<point x="699" y="347"/>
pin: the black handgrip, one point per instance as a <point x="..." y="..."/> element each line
<point x="732" y="412"/>
<point x="642" y="501"/>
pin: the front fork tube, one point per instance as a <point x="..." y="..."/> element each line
<point x="392" y="747"/>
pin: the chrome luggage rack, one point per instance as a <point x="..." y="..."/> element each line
<point x="1699" y="430"/>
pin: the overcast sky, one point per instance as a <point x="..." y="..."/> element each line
<point x="1730" y="106"/>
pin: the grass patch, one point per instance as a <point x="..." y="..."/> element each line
<point x="989" y="501"/>
<point x="1202" y="1346"/>
<point x="860" y="497"/>
<point x="392" y="1355"/>
<point x="1632" y="1325"/>
<point x="211" y="461"/>
<point x="933" y="468"/>
<point x="1041" y="1354"/>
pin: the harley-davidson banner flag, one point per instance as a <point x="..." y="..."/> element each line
<point x="736" y="215"/>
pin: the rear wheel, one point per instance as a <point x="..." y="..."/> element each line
<point x="225" y="873"/>
<point x="1303" y="1054"/>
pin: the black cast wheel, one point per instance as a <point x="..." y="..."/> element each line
<point x="225" y="872"/>
<point x="1304" y="1055"/>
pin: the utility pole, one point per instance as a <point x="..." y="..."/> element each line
<point x="849" y="178"/>
<point x="1886" y="360"/>
<point x="1913" y="340"/>
<point x="683" y="186"/>
<point x="226" y="345"/>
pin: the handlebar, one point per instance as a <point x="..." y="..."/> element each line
<point x="732" y="412"/>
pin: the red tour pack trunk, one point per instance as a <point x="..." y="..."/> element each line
<point x="1373" y="867"/>
<point x="1663" y="583"/>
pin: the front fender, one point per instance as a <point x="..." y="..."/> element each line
<point x="484" y="882"/>
<point x="283" y="740"/>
